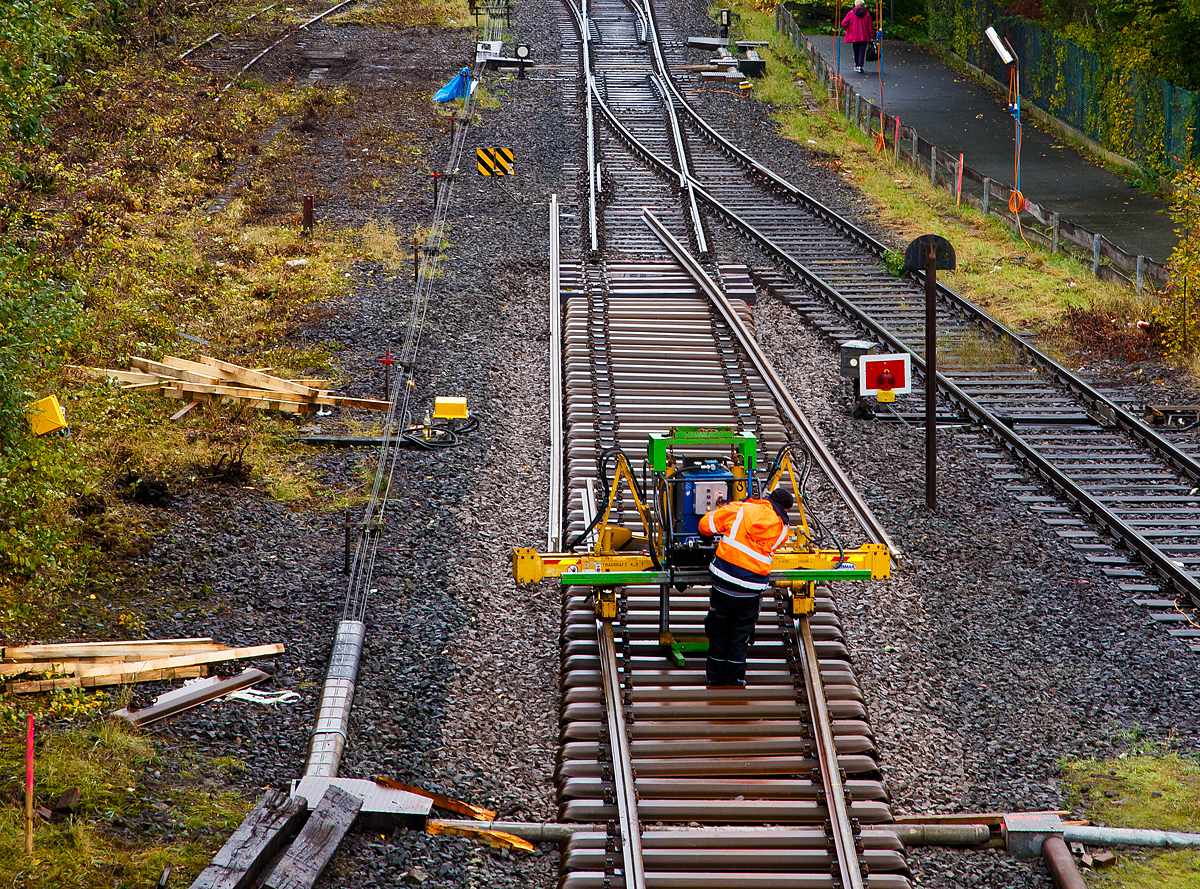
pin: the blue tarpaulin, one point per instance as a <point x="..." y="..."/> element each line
<point x="458" y="88"/>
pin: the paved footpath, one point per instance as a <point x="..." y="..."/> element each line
<point x="957" y="115"/>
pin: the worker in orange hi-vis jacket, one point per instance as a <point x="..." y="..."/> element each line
<point x="751" y="530"/>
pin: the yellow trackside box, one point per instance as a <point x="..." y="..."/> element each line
<point x="46" y="415"/>
<point x="450" y="409"/>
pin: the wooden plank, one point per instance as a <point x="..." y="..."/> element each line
<point x="1034" y="236"/>
<point x="254" y="378"/>
<point x="1108" y="273"/>
<point x="989" y="818"/>
<point x="249" y="849"/>
<point x="1156" y="270"/>
<point x="185" y="660"/>
<point x="168" y="372"/>
<point x="1038" y="212"/>
<point x="40" y="685"/>
<point x="970" y="174"/>
<point x="371" y="404"/>
<point x="133" y="387"/>
<point x="195" y="367"/>
<point x="81" y="650"/>
<point x="1076" y="234"/>
<point x="121" y="376"/>
<point x="74" y="665"/>
<point x="259" y="398"/>
<point x="1118" y="257"/>
<point x="302" y="864"/>
<point x="246" y="394"/>
<point x="184" y="411"/>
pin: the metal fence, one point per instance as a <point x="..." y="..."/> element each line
<point x="1036" y="223"/>
<point x="1132" y="113"/>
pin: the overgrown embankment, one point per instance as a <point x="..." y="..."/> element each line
<point x="111" y="245"/>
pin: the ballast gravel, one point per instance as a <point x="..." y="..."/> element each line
<point x="996" y="652"/>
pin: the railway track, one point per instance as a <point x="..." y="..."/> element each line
<point x="651" y="340"/>
<point x="1125" y="495"/>
<point x="231" y="55"/>
<point x="646" y="744"/>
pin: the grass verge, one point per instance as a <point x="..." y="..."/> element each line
<point x="1149" y="787"/>
<point x="138" y="811"/>
<point x="154" y="219"/>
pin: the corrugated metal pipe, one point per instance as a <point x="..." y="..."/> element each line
<point x="333" y="716"/>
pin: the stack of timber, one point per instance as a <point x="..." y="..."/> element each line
<point x="213" y="381"/>
<point x="92" y="664"/>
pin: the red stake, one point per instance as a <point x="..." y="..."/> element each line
<point x="387" y="361"/>
<point x="29" y="787"/>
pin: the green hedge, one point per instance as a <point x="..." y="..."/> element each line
<point x="1125" y="109"/>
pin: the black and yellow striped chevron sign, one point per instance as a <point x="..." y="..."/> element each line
<point x="494" y="161"/>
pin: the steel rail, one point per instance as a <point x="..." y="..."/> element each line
<point x="250" y="64"/>
<point x="555" y="512"/>
<point x="791" y="410"/>
<point x="593" y="169"/>
<point x="1167" y="568"/>
<point x="622" y="773"/>
<point x="1125" y="421"/>
<point x="685" y="177"/>
<point x="831" y="776"/>
<point x="662" y="83"/>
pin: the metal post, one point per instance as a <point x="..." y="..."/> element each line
<point x="1061" y="864"/>
<point x="931" y="376"/>
<point x="914" y="151"/>
<point x="306" y="218"/>
<point x="1139" y="259"/>
<point x="387" y="361"/>
<point x="987" y="196"/>
<point x="436" y="177"/>
<point x="1054" y="235"/>
<point x="1096" y="254"/>
<point x="933" y="165"/>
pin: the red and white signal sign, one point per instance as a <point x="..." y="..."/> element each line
<point x="885" y="372"/>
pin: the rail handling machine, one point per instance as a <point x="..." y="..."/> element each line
<point x="688" y="472"/>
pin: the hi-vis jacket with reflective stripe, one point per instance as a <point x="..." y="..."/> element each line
<point x="750" y="531"/>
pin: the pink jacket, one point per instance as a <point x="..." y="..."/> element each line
<point x="858" y="27"/>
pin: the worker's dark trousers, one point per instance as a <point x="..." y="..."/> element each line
<point x="729" y="625"/>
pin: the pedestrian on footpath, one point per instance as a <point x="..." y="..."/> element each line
<point x="751" y="530"/>
<point x="860" y="31"/>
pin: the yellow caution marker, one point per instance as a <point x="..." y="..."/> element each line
<point x="450" y="408"/>
<point x="46" y="416"/>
